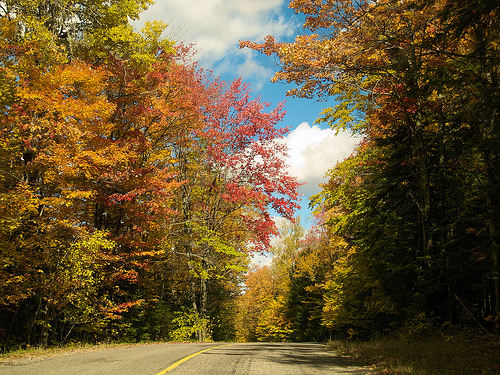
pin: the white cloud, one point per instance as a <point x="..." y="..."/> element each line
<point x="261" y="260"/>
<point x="217" y="26"/>
<point x="251" y="69"/>
<point x="313" y="151"/>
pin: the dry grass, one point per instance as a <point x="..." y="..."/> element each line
<point x="459" y="354"/>
<point x="33" y="352"/>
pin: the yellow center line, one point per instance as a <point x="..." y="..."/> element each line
<point x="186" y="358"/>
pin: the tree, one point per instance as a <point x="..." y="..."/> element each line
<point x="475" y="24"/>
<point x="305" y="298"/>
<point x="262" y="307"/>
<point x="234" y="172"/>
<point x="397" y="72"/>
<point x="97" y="198"/>
<point x="76" y="25"/>
<point x="56" y="118"/>
<point x="271" y="305"/>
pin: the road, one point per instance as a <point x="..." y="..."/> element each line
<point x="189" y="359"/>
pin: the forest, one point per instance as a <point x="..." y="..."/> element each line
<point x="408" y="234"/>
<point x="135" y="185"/>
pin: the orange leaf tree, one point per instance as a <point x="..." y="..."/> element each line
<point x="232" y="173"/>
<point x="397" y="70"/>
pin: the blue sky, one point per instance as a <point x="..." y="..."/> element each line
<point x="217" y="26"/>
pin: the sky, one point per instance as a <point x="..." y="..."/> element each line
<point x="216" y="27"/>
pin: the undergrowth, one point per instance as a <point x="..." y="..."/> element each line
<point x="454" y="354"/>
<point x="31" y="352"/>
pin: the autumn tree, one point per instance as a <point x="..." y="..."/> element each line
<point x="133" y="183"/>
<point x="96" y="199"/>
<point x="235" y="173"/>
<point x="475" y="24"/>
<point x="409" y="200"/>
<point x="262" y="307"/>
<point x="306" y="298"/>
<point x="77" y="25"/>
<point x="45" y="143"/>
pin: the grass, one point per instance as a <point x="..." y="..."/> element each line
<point x="33" y="352"/>
<point x="458" y="354"/>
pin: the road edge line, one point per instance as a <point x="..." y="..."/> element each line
<point x="171" y="367"/>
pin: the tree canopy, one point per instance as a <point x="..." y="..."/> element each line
<point x="416" y="205"/>
<point x="133" y="184"/>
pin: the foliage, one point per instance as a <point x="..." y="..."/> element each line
<point x="233" y="173"/>
<point x="440" y="353"/>
<point x="283" y="301"/>
<point x="187" y="323"/>
<point x="129" y="180"/>
<point x="261" y="309"/>
<point x="134" y="185"/>
<point x="417" y="203"/>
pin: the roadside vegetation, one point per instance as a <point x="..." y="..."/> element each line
<point x="38" y="351"/>
<point x="134" y="184"/>
<point x="443" y="354"/>
<point x="407" y="237"/>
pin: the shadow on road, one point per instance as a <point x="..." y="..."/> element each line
<point x="307" y="355"/>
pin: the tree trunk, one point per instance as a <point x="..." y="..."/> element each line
<point x="203" y="302"/>
<point x="424" y="198"/>
<point x="492" y="228"/>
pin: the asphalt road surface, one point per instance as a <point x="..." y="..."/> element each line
<point x="189" y="359"/>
